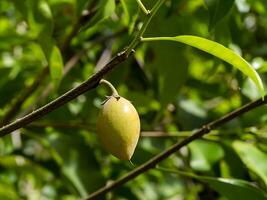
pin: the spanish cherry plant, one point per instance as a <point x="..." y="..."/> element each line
<point x="184" y="113"/>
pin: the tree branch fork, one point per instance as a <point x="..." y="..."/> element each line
<point x="93" y="82"/>
<point x="205" y="129"/>
<point x="89" y="84"/>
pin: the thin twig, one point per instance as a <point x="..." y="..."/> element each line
<point x="85" y="86"/>
<point x="142" y="6"/>
<point x="165" y="154"/>
<point x="90" y="83"/>
<point x="67" y="68"/>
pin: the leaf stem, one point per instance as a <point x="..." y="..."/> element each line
<point x="143" y="8"/>
<point x="113" y="89"/>
<point x="147" y="20"/>
<point x="89" y="84"/>
<point x="149" y="39"/>
<point x="218" y="51"/>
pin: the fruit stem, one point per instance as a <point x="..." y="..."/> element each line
<point x="113" y="89"/>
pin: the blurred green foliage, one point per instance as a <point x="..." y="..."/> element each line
<point x="174" y="87"/>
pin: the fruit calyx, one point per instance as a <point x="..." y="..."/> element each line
<point x="115" y="93"/>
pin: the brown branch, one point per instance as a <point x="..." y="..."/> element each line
<point x="89" y="84"/>
<point x="128" y="51"/>
<point x="67" y="68"/>
<point x="165" y="154"/>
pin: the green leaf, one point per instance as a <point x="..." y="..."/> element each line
<point x="234" y="163"/>
<point x="193" y="108"/>
<point x="219" y="51"/>
<point x="40" y="20"/>
<point x="77" y="161"/>
<point x="232" y="189"/>
<point x="38" y="16"/>
<point x="253" y="158"/>
<point x="218" y="9"/>
<point x="130" y="13"/>
<point x="105" y="9"/>
<point x="21" y="163"/>
<point x="168" y="64"/>
<point x="7" y="192"/>
<point x="170" y="73"/>
<point x="201" y="157"/>
<point x="54" y="59"/>
<point x="55" y="64"/>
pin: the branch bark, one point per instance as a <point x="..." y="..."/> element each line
<point x="165" y="154"/>
<point x="26" y="93"/>
<point x="67" y="68"/>
<point x="90" y="83"/>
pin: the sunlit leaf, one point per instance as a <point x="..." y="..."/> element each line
<point x="219" y="51"/>
<point x="253" y="158"/>
<point x="201" y="157"/>
<point x="232" y="189"/>
<point x="56" y="64"/>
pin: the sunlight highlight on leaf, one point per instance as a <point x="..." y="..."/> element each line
<point x="219" y="51"/>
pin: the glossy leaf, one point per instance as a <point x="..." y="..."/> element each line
<point x="219" y="51"/>
<point x="201" y="157"/>
<point x="232" y="189"/>
<point x="253" y="158"/>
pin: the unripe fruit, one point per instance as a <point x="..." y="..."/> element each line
<point x="118" y="127"/>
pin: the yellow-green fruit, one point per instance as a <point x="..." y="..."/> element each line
<point x="118" y="127"/>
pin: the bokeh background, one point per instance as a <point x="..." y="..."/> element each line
<point x="56" y="44"/>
